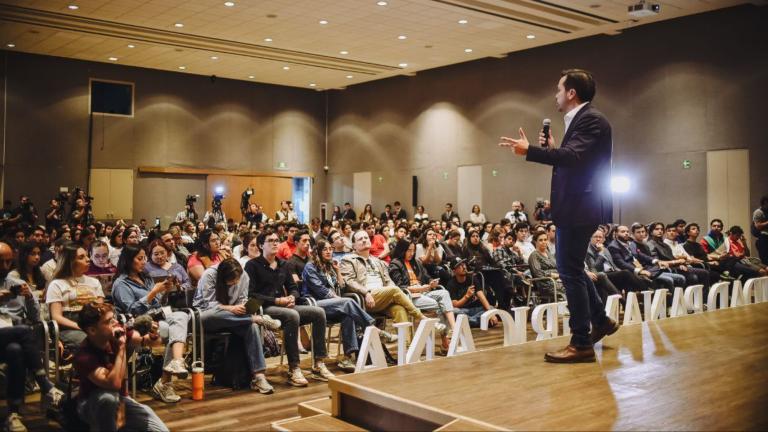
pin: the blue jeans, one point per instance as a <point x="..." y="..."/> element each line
<point x="584" y="303"/>
<point x="242" y="326"/>
<point x="176" y="327"/>
<point x="670" y="280"/>
<point x="346" y="311"/>
<point x="473" y="313"/>
<point x="100" y="412"/>
<point x="291" y="319"/>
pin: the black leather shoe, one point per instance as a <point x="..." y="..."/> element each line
<point x="608" y="328"/>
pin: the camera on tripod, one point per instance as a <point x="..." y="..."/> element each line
<point x="218" y="195"/>
<point x="191" y="200"/>
<point x="245" y="200"/>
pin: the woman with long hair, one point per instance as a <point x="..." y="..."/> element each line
<point x="250" y="249"/>
<point x="367" y="214"/>
<point x="208" y="252"/>
<point x="421" y="214"/>
<point x="159" y="267"/>
<point x="479" y="259"/>
<point x="134" y="292"/>
<point x="409" y="274"/>
<point x="475" y="216"/>
<point x="221" y="295"/>
<point x="322" y="281"/>
<point x="69" y="291"/>
<point x="28" y="267"/>
<point x="115" y="244"/>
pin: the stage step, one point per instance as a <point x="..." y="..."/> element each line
<point x="459" y="425"/>
<point x="315" y="407"/>
<point x="320" y="422"/>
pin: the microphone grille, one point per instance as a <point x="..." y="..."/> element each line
<point x="547" y="122"/>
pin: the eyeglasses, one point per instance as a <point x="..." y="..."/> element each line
<point x="272" y="240"/>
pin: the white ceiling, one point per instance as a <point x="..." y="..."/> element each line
<point x="302" y="51"/>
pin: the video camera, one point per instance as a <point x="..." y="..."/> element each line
<point x="191" y="200"/>
<point x="245" y="200"/>
<point x="216" y="203"/>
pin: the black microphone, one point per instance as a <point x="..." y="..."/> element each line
<point x="545" y="131"/>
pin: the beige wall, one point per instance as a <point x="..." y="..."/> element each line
<point x="180" y="120"/>
<point x="671" y="90"/>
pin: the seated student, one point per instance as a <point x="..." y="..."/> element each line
<point x="452" y="245"/>
<point x="135" y="293"/>
<point x="174" y="254"/>
<point x="544" y="265"/>
<point x="466" y="298"/>
<point x="497" y="287"/>
<point x="337" y="242"/>
<point x="250" y="249"/>
<point x="420" y="215"/>
<point x="664" y="252"/>
<point x="18" y="345"/>
<point x="288" y="247"/>
<point x="627" y="255"/>
<point x="208" y="252"/>
<point x="522" y="230"/>
<point x="509" y="258"/>
<point x="409" y="274"/>
<point x="159" y="267"/>
<point x="379" y="245"/>
<point x="221" y="295"/>
<point x="28" y="268"/>
<point x="599" y="261"/>
<point x="271" y="285"/>
<point x="49" y="267"/>
<point x="322" y="281"/>
<point x="102" y="365"/>
<point x="429" y="252"/>
<point x="116" y="244"/>
<point x="738" y="249"/>
<point x="101" y="268"/>
<point x="69" y="290"/>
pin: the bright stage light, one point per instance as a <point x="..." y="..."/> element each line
<point x="620" y="184"/>
<point x="219" y="190"/>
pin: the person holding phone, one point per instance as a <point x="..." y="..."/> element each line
<point x="159" y="267"/>
<point x="409" y="274"/>
<point x="135" y="292"/>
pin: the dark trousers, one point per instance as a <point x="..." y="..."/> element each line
<point x="627" y="281"/>
<point x="19" y="351"/>
<point x="762" y="248"/>
<point x="584" y="303"/>
<point x="291" y="319"/>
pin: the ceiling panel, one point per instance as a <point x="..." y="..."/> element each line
<point x="100" y="29"/>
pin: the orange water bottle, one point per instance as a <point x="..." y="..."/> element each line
<point x="198" y="378"/>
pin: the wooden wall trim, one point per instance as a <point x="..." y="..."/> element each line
<point x="211" y="171"/>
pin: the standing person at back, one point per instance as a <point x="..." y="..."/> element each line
<point x="581" y="201"/>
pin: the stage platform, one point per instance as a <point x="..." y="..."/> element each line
<point x="706" y="371"/>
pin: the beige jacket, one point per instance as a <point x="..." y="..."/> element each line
<point x="353" y="271"/>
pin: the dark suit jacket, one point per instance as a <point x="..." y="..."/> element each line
<point x="581" y="176"/>
<point x="597" y="261"/>
<point x="624" y="257"/>
<point x="447" y="218"/>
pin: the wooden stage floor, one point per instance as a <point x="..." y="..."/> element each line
<point x="706" y="371"/>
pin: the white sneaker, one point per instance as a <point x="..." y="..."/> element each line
<point x="321" y="372"/>
<point x="13" y="423"/>
<point x="440" y="328"/>
<point x="176" y="367"/>
<point x="346" y="364"/>
<point x="165" y="392"/>
<point x="51" y="400"/>
<point x="261" y="385"/>
<point x="387" y="337"/>
<point x="296" y="378"/>
<point x="270" y="323"/>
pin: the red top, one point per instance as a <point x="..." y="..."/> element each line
<point x="285" y="250"/>
<point x="377" y="245"/>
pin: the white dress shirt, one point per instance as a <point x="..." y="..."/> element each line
<point x="568" y="118"/>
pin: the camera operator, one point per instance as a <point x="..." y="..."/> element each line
<point x="254" y="215"/>
<point x="189" y="213"/>
<point x="102" y="364"/>
<point x="54" y="216"/>
<point x="25" y="213"/>
<point x="543" y="212"/>
<point x="18" y="347"/>
<point x="216" y="214"/>
<point x="517" y="214"/>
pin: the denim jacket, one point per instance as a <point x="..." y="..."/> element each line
<point x="131" y="297"/>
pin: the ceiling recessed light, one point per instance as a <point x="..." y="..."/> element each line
<point x="131" y="46"/>
<point x="10" y="45"/>
<point x="463" y="21"/>
<point x="229" y="4"/>
<point x="312" y="85"/>
<point x="214" y="57"/>
<point x="251" y="76"/>
<point x="382" y="3"/>
<point x="286" y="68"/>
<point x="178" y="25"/>
<point x="343" y="52"/>
<point x="350" y="76"/>
<point x="73" y="7"/>
<point x="467" y="50"/>
<point x="323" y="22"/>
<point x="182" y="67"/>
<point x="402" y="37"/>
<point x="531" y="37"/>
<point x="403" y="65"/>
<point x="267" y="39"/>
<point x="113" y="59"/>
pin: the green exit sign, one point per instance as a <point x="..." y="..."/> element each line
<point x="282" y="165"/>
<point x="687" y="164"/>
<point x="495" y="173"/>
<point x="445" y="175"/>
<point x="381" y="179"/>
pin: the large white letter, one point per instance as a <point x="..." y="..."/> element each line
<point x="719" y="289"/>
<point x="612" y="304"/>
<point x="678" y="304"/>
<point x="737" y="297"/>
<point x="424" y="338"/>
<point x="632" y="310"/>
<point x="514" y="328"/>
<point x="544" y="321"/>
<point x="659" y="305"/>
<point x="694" y="298"/>
<point x="462" y="340"/>
<point x="371" y="345"/>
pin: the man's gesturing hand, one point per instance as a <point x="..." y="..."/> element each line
<point x="519" y="146"/>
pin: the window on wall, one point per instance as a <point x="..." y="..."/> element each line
<point x="111" y="97"/>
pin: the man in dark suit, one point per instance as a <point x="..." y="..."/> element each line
<point x="449" y="214"/>
<point x="581" y="200"/>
